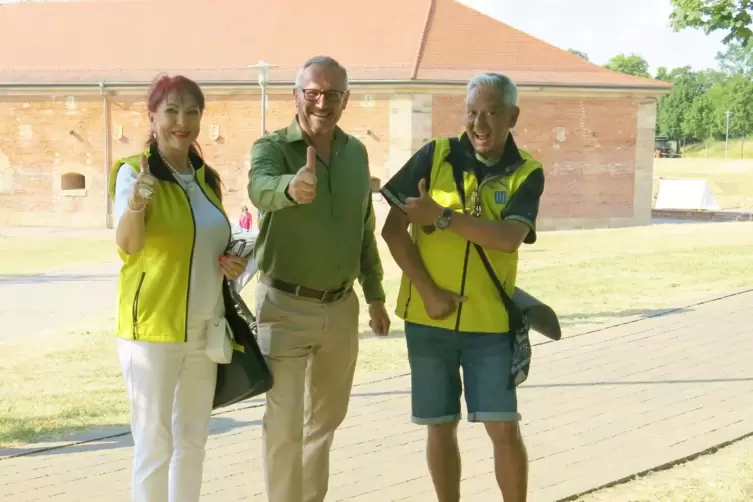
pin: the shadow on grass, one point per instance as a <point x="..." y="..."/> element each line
<point x="109" y="437"/>
<point x="68" y="440"/>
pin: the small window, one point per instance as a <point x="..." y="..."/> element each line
<point x="72" y="181"/>
<point x="376" y="184"/>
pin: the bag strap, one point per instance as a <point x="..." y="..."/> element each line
<point x="455" y="160"/>
<point x="512" y="310"/>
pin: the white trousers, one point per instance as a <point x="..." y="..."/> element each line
<point x="171" y="388"/>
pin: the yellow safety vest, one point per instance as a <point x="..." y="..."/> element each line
<point x="154" y="283"/>
<point x="451" y="260"/>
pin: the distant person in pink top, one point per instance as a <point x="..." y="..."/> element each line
<point x="245" y="221"/>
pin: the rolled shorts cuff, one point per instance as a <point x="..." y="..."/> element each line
<point x="446" y="419"/>
<point x="494" y="416"/>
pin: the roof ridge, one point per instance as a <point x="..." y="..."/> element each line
<point x="424" y="35"/>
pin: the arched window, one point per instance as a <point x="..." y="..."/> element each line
<point x="72" y="181"/>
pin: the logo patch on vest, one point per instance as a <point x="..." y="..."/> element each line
<point x="500" y="197"/>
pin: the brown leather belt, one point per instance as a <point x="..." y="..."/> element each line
<point x="297" y="290"/>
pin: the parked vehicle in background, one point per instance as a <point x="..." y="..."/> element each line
<point x="665" y="147"/>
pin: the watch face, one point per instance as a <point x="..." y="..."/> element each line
<point x="444" y="221"/>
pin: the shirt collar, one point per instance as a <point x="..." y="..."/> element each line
<point x="510" y="160"/>
<point x="294" y="133"/>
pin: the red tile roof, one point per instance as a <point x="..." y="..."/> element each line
<point x="129" y="41"/>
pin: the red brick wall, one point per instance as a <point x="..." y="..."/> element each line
<point x="591" y="173"/>
<point x="63" y="139"/>
<point x="35" y="200"/>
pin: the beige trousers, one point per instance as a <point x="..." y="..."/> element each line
<point x="312" y="349"/>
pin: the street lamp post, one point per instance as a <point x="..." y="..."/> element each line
<point x="263" y="79"/>
<point x="726" y="139"/>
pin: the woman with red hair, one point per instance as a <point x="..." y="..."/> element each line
<point x="172" y="233"/>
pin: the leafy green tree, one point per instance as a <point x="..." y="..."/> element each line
<point x="740" y="102"/>
<point x="700" y="120"/>
<point x="578" y="53"/>
<point x="662" y="73"/>
<point x="673" y="108"/>
<point x="632" y="64"/>
<point x="737" y="59"/>
<point x="730" y="16"/>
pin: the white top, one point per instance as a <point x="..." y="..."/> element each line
<point x="212" y="236"/>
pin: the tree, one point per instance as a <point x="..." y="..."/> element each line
<point x="662" y="73"/>
<point x="740" y="103"/>
<point x="673" y="108"/>
<point x="578" y="53"/>
<point x="737" y="59"/>
<point x="632" y="64"/>
<point x="732" y="16"/>
<point x="700" y="120"/>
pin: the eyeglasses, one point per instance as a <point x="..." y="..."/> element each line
<point x="313" y="95"/>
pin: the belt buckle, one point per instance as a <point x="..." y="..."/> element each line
<point x="332" y="295"/>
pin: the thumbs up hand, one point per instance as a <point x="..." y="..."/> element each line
<point x="144" y="187"/>
<point x="422" y="210"/>
<point x="302" y="188"/>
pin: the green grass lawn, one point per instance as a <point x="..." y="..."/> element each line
<point x="39" y="253"/>
<point x="724" y="476"/>
<point x="716" y="149"/>
<point x="591" y="278"/>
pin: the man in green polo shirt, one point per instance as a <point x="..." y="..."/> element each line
<point x="312" y="183"/>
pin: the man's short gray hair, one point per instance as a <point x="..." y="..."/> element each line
<point x="323" y="61"/>
<point x="496" y="81"/>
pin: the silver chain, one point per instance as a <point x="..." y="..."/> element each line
<point x="186" y="185"/>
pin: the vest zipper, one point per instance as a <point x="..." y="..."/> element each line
<point x="136" y="306"/>
<point x="462" y="284"/>
<point x="190" y="260"/>
<point x="468" y="249"/>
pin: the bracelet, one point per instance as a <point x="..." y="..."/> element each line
<point x="135" y="210"/>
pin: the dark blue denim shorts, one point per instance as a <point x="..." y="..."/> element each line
<point x="436" y="356"/>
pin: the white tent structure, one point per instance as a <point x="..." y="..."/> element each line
<point x="685" y="194"/>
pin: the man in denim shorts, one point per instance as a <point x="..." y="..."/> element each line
<point x="455" y="193"/>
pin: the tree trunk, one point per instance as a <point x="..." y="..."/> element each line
<point x="742" y="147"/>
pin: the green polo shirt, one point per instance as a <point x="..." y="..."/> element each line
<point x="330" y="242"/>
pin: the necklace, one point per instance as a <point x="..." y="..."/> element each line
<point x="188" y="184"/>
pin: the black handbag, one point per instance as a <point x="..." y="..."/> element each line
<point x="247" y="375"/>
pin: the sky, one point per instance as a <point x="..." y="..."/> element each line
<point x="605" y="28"/>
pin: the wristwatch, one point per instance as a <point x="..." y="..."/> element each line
<point x="443" y="221"/>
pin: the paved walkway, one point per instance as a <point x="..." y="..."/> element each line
<point x="32" y="303"/>
<point x="597" y="408"/>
